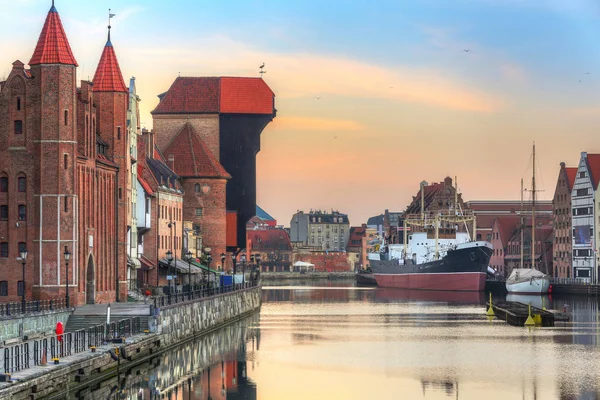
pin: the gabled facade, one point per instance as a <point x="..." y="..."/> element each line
<point x="59" y="179"/>
<point x="583" y="214"/>
<point x="133" y="131"/>
<point x="563" y="235"/>
<point x="502" y="231"/>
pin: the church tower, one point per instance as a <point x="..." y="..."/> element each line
<point x="111" y="97"/>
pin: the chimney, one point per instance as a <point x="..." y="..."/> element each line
<point x="172" y="162"/>
<point x="150" y="144"/>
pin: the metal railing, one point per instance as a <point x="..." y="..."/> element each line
<point x="562" y="281"/>
<point x="181" y="297"/>
<point x="19" y="308"/>
<point x="44" y="350"/>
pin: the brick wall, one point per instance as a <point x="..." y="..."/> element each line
<point x="332" y="262"/>
<point x="206" y="126"/>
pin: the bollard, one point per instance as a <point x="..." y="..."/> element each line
<point x="490" y="311"/>
<point x="93" y="349"/>
<point x="56" y="360"/>
<point x="529" y="321"/>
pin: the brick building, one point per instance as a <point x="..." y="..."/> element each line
<point x="209" y="130"/>
<point x="562" y="221"/>
<point x="274" y="247"/>
<point x="164" y="197"/>
<point x="487" y="211"/>
<point x="62" y="175"/>
<point x="544" y="237"/>
<point x="503" y="230"/>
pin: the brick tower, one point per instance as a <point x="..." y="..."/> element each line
<point x="49" y="138"/>
<point x="111" y="97"/>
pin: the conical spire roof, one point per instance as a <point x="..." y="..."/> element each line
<point x="53" y="46"/>
<point x="108" y="77"/>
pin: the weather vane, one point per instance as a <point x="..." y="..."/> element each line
<point x="110" y="16"/>
<point x="262" y="70"/>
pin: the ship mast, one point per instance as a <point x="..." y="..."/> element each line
<point x="533" y="212"/>
<point x="522" y="227"/>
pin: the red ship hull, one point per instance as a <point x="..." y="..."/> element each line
<point x="460" y="281"/>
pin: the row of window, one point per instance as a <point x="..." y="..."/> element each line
<point x="582" y="253"/>
<point x="21" y="184"/>
<point x="22" y="212"/>
<point x="4" y="288"/>
<point x="165" y="242"/>
<point x="4" y="249"/>
<point x="169" y="213"/>
<point x="583" y="211"/>
<point x="18" y="124"/>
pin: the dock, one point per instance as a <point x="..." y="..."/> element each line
<point x="516" y="314"/>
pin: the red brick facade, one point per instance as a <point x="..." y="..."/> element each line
<point x="67" y="191"/>
<point x="325" y="262"/>
<point x="562" y="221"/>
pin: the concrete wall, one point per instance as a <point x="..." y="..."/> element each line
<point x="182" y="321"/>
<point x="12" y="328"/>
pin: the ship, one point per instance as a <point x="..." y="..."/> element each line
<point x="365" y="277"/>
<point x="438" y="254"/>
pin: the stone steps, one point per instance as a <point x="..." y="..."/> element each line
<point x="77" y="322"/>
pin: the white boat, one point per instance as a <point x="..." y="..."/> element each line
<point x="527" y="281"/>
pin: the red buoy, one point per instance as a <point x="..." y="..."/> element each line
<point x="550" y="289"/>
<point x="59" y="331"/>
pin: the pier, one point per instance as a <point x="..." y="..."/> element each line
<point x="516" y="314"/>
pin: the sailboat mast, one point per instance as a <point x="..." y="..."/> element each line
<point x="533" y="212"/>
<point x="522" y="227"/>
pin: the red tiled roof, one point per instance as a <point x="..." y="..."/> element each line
<point x="53" y="46"/>
<point x="571" y="175"/>
<point x="108" y="77"/>
<point x="594" y="168"/>
<point x="192" y="157"/>
<point x="212" y="95"/>
<point x="142" y="181"/>
<point x="246" y="96"/>
<point x="191" y="96"/>
<point x="269" y="239"/>
<point x="231" y="229"/>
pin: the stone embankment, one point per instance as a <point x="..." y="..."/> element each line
<point x="307" y="275"/>
<point x="176" y="324"/>
<point x="16" y="327"/>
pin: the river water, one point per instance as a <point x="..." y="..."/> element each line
<point x="328" y="340"/>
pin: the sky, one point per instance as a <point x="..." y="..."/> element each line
<point x="372" y="97"/>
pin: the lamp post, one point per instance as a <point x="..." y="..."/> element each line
<point x="169" y="260"/>
<point x="223" y="257"/>
<point x="67" y="256"/>
<point x="23" y="261"/>
<point x="189" y="255"/>
<point x="252" y="260"/>
<point x="243" y="260"/>
<point x="234" y="261"/>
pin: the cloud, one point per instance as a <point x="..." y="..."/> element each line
<point x="298" y="75"/>
<point x="314" y="124"/>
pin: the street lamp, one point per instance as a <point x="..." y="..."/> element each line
<point x="169" y="260"/>
<point x="234" y="261"/>
<point x="223" y="256"/>
<point x="243" y="260"/>
<point x="23" y="260"/>
<point x="67" y="256"/>
<point x="189" y="256"/>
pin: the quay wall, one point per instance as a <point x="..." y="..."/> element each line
<point x="31" y="324"/>
<point x="184" y="320"/>
<point x="308" y="275"/>
<point x="176" y="324"/>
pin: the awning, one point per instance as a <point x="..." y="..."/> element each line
<point x="146" y="264"/>
<point x="133" y="262"/>
<point x="182" y="266"/>
<point x="204" y="267"/>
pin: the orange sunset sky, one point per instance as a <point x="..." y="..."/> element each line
<point x="400" y="99"/>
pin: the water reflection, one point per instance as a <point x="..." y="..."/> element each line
<point x="211" y="367"/>
<point x="333" y="342"/>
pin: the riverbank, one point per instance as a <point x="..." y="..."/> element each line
<point x="176" y="324"/>
<point x="307" y="275"/>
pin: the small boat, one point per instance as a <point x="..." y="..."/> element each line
<point x="365" y="277"/>
<point x="527" y="281"/>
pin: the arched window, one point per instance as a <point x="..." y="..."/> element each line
<point x="18" y="104"/>
<point x="3" y="184"/>
<point x="197" y="188"/>
<point x="66" y="117"/>
<point x="22" y="184"/>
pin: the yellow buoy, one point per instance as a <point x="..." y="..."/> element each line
<point x="543" y="304"/>
<point x="490" y="311"/>
<point x="529" y="321"/>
